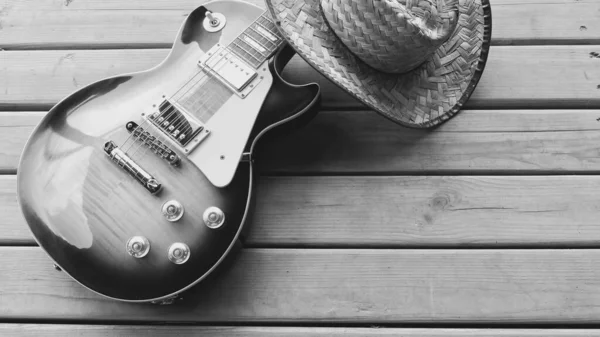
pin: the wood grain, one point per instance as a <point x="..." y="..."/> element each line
<point x="365" y="143"/>
<point x="83" y="209"/>
<point x="335" y="286"/>
<point x="15" y="129"/>
<point x="514" y="77"/>
<point x="12" y="226"/>
<point x="51" y="330"/>
<point x="401" y="212"/>
<point x="137" y="23"/>
<point x="359" y="142"/>
<point x="389" y="190"/>
<point x="41" y="78"/>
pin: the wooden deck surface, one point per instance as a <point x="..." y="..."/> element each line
<point x="486" y="226"/>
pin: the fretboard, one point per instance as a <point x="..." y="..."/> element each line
<point x="258" y="42"/>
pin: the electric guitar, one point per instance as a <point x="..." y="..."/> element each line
<point x="137" y="186"/>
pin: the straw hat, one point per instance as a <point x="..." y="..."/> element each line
<point x="415" y="62"/>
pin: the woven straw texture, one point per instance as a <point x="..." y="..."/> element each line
<point x="424" y="97"/>
<point x="387" y="35"/>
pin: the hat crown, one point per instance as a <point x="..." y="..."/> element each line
<point x="393" y="36"/>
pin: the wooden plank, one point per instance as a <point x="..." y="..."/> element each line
<point x="365" y="143"/>
<point x="427" y="211"/>
<point x="364" y="286"/>
<point x="101" y="24"/>
<point x="527" y="81"/>
<point x="359" y="142"/>
<point x="63" y="72"/>
<point x="50" y="330"/>
<point x="13" y="229"/>
<point x="401" y="212"/>
<point x="15" y="128"/>
<point x="514" y="77"/>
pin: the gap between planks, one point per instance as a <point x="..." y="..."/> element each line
<point x="60" y="330"/>
<point x="335" y="287"/>
<point x="47" y="24"/>
<point x="401" y="213"/>
<point x="515" y="77"/>
<point x="476" y="142"/>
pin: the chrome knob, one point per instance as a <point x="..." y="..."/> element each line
<point x="179" y="253"/>
<point x="138" y="246"/>
<point x="213" y="217"/>
<point x="172" y="210"/>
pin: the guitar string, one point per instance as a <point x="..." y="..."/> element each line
<point x="176" y="125"/>
<point x="146" y="120"/>
<point x="214" y="70"/>
<point x="265" y="38"/>
<point x="207" y="79"/>
<point x="199" y="72"/>
<point x="255" y="39"/>
<point x="161" y="138"/>
<point x="174" y="102"/>
<point x="171" y="110"/>
<point x="249" y="50"/>
<point x="230" y="50"/>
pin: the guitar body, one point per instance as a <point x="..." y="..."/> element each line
<point x="83" y="207"/>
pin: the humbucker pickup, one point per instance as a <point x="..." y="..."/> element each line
<point x="225" y="65"/>
<point x="231" y="69"/>
<point x="180" y="127"/>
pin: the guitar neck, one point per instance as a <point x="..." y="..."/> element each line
<point x="258" y="42"/>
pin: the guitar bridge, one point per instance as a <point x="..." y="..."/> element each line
<point x="153" y="143"/>
<point x="179" y="126"/>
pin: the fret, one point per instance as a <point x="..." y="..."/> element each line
<point x="245" y="54"/>
<point x="245" y="46"/>
<point x="267" y="24"/>
<point x="267" y="29"/>
<point x="204" y="94"/>
<point x="270" y="37"/>
<point x="240" y="51"/>
<point x="261" y="48"/>
<point x="258" y="42"/>
<point x="251" y="49"/>
<point x="261" y="39"/>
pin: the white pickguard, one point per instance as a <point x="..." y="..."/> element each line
<point x="218" y="155"/>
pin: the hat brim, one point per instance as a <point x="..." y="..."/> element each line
<point x="423" y="97"/>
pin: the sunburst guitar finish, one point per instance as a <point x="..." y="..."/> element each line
<point x="137" y="186"/>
